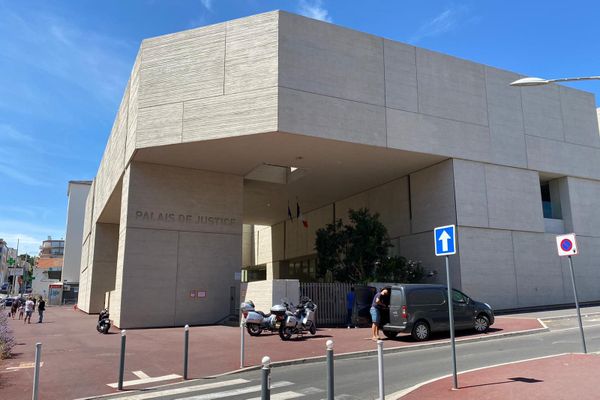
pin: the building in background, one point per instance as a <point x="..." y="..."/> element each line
<point x="3" y="262"/>
<point x="227" y="125"/>
<point x="77" y="193"/>
<point x="48" y="270"/>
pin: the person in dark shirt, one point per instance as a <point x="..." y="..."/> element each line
<point x="41" y="309"/>
<point x="350" y="300"/>
<point x="377" y="306"/>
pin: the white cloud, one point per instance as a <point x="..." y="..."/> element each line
<point x="314" y="9"/>
<point x="30" y="236"/>
<point x="442" y="23"/>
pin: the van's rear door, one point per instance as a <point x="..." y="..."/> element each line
<point x="396" y="303"/>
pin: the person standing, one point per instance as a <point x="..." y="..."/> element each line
<point x="28" y="310"/>
<point x="350" y="300"/>
<point x="377" y="306"/>
<point x="41" y="309"/>
<point x="13" y="308"/>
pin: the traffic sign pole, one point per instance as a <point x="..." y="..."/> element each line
<point x="451" y="320"/>
<point x="577" y="306"/>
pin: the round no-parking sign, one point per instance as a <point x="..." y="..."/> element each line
<point x="566" y="244"/>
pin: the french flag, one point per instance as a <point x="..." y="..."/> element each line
<point x="300" y="216"/>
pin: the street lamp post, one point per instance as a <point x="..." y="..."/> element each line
<point x="531" y="81"/>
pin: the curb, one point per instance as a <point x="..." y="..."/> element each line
<point x="367" y="353"/>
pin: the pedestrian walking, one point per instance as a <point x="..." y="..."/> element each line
<point x="41" y="309"/>
<point x="21" y="308"/>
<point x="13" y="309"/>
<point x="28" y="310"/>
<point x="350" y="301"/>
<point x="380" y="302"/>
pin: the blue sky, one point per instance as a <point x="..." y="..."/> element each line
<point x="64" y="66"/>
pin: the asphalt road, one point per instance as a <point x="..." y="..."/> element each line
<point x="358" y="379"/>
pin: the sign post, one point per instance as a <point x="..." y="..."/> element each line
<point x="445" y="245"/>
<point x="567" y="247"/>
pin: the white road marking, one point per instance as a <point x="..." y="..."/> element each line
<point x="184" y="390"/>
<point x="25" y="366"/>
<point x="235" y="392"/>
<point x="136" y="382"/>
<point x="574" y="327"/>
<point x="141" y="374"/>
<point x="283" y="396"/>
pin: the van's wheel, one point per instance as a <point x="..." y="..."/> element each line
<point x="253" y="329"/>
<point x="482" y="323"/>
<point x="420" y="331"/>
<point x="285" y="333"/>
<point x="390" y="334"/>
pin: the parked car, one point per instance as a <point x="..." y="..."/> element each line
<point x="4" y="288"/>
<point x="421" y="309"/>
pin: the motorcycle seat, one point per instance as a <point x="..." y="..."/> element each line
<point x="263" y="314"/>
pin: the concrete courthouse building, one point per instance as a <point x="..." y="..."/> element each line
<point x="223" y="126"/>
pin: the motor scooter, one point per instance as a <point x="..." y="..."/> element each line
<point x="257" y="321"/>
<point x="299" y="321"/>
<point x="103" y="322"/>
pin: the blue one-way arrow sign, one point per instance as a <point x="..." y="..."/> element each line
<point x="445" y="240"/>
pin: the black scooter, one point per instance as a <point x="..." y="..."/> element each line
<point x="103" y="322"/>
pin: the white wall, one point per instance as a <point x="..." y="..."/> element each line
<point x="78" y="193"/>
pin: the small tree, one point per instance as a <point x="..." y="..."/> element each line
<point x="358" y="252"/>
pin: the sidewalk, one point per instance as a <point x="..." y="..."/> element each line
<point x="569" y="376"/>
<point x="79" y="362"/>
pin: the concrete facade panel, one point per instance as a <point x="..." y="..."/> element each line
<point x="162" y="197"/>
<point x="183" y="66"/>
<point x="471" y="194"/>
<point x="230" y="115"/>
<point x="392" y="202"/>
<point x="205" y="263"/>
<point x="585" y="268"/>
<point x="150" y="268"/>
<point x="133" y="106"/>
<point x="542" y="112"/>
<point x="252" y="53"/>
<point x="331" y="118"/>
<point x="300" y="240"/>
<point x="356" y="202"/>
<point x="159" y="125"/>
<point x="263" y="244"/>
<point x="505" y="113"/>
<point x="514" y="199"/>
<point x="103" y="263"/>
<point x="487" y="266"/>
<point x="330" y="60"/>
<point x="539" y="270"/>
<point x="432" y="135"/>
<point x="400" y="76"/>
<point x="583" y="197"/>
<point x="432" y="197"/>
<point x="580" y="123"/>
<point x="451" y="88"/>
<point x="277" y="238"/>
<point x="89" y="211"/>
<point x="563" y="158"/>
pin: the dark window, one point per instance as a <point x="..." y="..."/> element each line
<point x="54" y="275"/>
<point x="425" y="297"/>
<point x="396" y="297"/>
<point x="458" y="297"/>
<point x="546" y="202"/>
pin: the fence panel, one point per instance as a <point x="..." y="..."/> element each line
<point x="330" y="299"/>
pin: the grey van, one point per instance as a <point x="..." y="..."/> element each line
<point x="421" y="309"/>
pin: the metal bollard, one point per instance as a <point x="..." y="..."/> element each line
<point x="380" y="368"/>
<point x="122" y="361"/>
<point x="266" y="379"/>
<point x="330" y="390"/>
<point x="241" y="344"/>
<point x="36" y="371"/>
<point x="186" y="345"/>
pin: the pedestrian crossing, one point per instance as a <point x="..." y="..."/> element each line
<point x="231" y="389"/>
